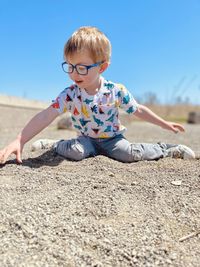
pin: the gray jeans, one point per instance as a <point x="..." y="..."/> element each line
<point x="117" y="148"/>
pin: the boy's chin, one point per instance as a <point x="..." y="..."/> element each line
<point x="79" y="84"/>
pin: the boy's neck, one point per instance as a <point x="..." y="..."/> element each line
<point x="95" y="90"/>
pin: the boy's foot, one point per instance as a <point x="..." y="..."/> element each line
<point x="181" y="152"/>
<point x="43" y="144"/>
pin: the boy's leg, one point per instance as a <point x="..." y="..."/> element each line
<point x="121" y="149"/>
<point x="75" y="149"/>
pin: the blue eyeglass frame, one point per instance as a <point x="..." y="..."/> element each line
<point x="75" y="67"/>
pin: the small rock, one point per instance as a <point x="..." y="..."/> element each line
<point x="176" y="182"/>
<point x="65" y="123"/>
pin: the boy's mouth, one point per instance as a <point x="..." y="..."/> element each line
<point x="78" y="82"/>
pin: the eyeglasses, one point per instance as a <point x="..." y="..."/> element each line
<point x="80" y="68"/>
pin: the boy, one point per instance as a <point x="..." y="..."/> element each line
<point x="93" y="103"/>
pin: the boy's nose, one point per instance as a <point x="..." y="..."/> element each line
<point x="75" y="74"/>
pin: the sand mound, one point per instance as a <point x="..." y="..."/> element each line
<point x="15" y="101"/>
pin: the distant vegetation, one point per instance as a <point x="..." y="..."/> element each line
<point x="177" y="110"/>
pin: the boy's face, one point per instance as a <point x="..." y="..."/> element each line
<point x="92" y="79"/>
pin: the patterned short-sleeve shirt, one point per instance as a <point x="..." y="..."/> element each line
<point x="96" y="115"/>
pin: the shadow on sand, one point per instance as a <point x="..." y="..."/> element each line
<point x="48" y="158"/>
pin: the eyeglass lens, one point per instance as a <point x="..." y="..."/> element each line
<point x="70" y="68"/>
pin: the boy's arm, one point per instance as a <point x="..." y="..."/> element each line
<point x="37" y="124"/>
<point x="33" y="127"/>
<point x="146" y="114"/>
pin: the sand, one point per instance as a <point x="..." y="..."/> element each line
<point x="98" y="212"/>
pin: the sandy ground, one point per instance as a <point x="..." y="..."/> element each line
<point x="98" y="212"/>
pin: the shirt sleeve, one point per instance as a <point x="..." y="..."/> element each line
<point x="126" y="100"/>
<point x="62" y="103"/>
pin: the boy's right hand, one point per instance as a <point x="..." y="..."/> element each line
<point x="33" y="127"/>
<point x="13" y="148"/>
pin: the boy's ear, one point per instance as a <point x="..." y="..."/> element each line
<point x="103" y="67"/>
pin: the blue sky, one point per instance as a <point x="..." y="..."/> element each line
<point x="155" y="45"/>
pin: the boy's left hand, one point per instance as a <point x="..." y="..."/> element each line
<point x="175" y="127"/>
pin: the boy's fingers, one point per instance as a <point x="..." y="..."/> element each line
<point x="3" y="159"/>
<point x="18" y="157"/>
<point x="181" y="128"/>
<point x="178" y="127"/>
<point x="4" y="155"/>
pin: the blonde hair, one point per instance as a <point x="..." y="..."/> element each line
<point x="90" y="39"/>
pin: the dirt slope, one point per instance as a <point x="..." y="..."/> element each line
<point x="98" y="212"/>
